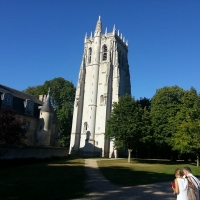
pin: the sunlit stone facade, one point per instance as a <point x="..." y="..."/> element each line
<point x="103" y="78"/>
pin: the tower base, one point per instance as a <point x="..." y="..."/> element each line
<point x="89" y="150"/>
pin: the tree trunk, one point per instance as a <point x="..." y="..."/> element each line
<point x="129" y="155"/>
<point x="116" y="153"/>
<point x="197" y="160"/>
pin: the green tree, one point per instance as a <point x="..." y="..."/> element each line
<point x="124" y="125"/>
<point x="62" y="93"/>
<point x="12" y="130"/>
<point x="145" y="103"/>
<point x="164" y="106"/>
<point x="146" y="128"/>
<point x="35" y="90"/>
<point x="186" y="138"/>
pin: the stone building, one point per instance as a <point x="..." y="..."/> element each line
<point x="41" y="122"/>
<point x="103" y="78"/>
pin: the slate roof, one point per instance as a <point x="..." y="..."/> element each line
<point x="19" y="94"/>
<point x="18" y="100"/>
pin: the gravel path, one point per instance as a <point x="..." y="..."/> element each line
<point x="101" y="188"/>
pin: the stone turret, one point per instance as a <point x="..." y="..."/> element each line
<point x="45" y="122"/>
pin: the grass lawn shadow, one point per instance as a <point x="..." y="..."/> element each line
<point x="129" y="177"/>
<point x="141" y="171"/>
<point x="52" y="180"/>
<point x="157" y="161"/>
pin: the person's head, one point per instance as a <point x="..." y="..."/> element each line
<point x="187" y="170"/>
<point x="178" y="173"/>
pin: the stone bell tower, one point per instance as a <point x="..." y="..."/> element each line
<point x="103" y="78"/>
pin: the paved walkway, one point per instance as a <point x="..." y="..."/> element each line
<point x="102" y="189"/>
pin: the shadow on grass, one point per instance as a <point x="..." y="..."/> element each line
<point x="100" y="188"/>
<point x="158" y="161"/>
<point x="51" y="180"/>
<point x="60" y="179"/>
<point x="127" y="177"/>
<point x="8" y="163"/>
<point x="162" y="161"/>
<point x="141" y="171"/>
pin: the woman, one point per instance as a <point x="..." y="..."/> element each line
<point x="181" y="185"/>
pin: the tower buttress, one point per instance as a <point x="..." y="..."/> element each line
<point x="94" y="81"/>
<point x="78" y="109"/>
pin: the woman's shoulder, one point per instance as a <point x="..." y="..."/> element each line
<point x="181" y="178"/>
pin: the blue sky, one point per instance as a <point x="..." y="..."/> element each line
<point x="43" y="39"/>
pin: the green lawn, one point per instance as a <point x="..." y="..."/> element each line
<point x="50" y="180"/>
<point x="140" y="172"/>
<point x="62" y="179"/>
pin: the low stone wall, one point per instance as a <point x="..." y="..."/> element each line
<point x="31" y="152"/>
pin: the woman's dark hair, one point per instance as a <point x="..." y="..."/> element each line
<point x="187" y="169"/>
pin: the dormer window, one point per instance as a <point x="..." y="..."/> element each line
<point x="90" y="55"/>
<point x="7" y="100"/>
<point x="104" y="49"/>
<point x="29" y="106"/>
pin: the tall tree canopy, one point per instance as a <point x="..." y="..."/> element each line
<point x="63" y="93"/>
<point x="164" y="106"/>
<point x="187" y="136"/>
<point x="175" y="115"/>
<point x="129" y="124"/>
<point x="146" y="128"/>
<point x="124" y="125"/>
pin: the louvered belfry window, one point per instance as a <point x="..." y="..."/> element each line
<point x="104" y="52"/>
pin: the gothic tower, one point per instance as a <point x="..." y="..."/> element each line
<point x="103" y="78"/>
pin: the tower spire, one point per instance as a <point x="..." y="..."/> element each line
<point x="98" y="29"/>
<point x="85" y="37"/>
<point x="106" y="31"/>
<point x="114" y="29"/>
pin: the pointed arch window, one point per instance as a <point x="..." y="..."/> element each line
<point x="85" y="126"/>
<point x="101" y="100"/>
<point x="90" y="55"/>
<point x="104" y="49"/>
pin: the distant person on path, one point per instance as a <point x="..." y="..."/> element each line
<point x="188" y="173"/>
<point x="181" y="185"/>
